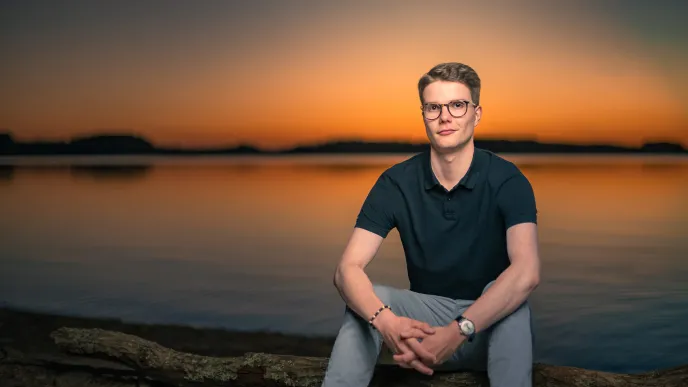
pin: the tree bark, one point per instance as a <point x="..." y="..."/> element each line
<point x="130" y="357"/>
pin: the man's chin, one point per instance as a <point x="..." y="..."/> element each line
<point x="453" y="142"/>
<point x="446" y="145"/>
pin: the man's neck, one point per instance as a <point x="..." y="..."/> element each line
<point x="451" y="167"/>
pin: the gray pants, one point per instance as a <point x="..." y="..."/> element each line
<point x="505" y="350"/>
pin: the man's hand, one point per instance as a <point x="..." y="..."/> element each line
<point x="391" y="326"/>
<point x="433" y="350"/>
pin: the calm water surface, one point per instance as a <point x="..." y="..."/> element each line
<point x="251" y="244"/>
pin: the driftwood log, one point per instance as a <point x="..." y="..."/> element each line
<point x="126" y="357"/>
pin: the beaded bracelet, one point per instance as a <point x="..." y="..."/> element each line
<point x="377" y="313"/>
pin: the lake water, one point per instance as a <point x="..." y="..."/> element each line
<point x="250" y="243"/>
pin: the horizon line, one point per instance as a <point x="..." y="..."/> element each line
<point x="240" y="144"/>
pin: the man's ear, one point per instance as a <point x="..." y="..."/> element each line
<point x="478" y="115"/>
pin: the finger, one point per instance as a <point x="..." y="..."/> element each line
<point x="405" y="362"/>
<point x="413" y="333"/>
<point x="421" y="352"/>
<point x="420" y="367"/>
<point x="406" y="357"/>
<point x="397" y="345"/>
<point x="391" y="345"/>
<point x="403" y="348"/>
<point x="425" y="327"/>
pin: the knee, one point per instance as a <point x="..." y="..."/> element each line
<point x="521" y="314"/>
<point x="518" y="320"/>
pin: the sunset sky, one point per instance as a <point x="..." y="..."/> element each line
<point x="278" y="73"/>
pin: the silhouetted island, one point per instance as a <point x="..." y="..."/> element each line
<point x="124" y="144"/>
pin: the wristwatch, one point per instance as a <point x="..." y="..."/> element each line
<point x="466" y="327"/>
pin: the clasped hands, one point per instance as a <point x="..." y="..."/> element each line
<point x="415" y="343"/>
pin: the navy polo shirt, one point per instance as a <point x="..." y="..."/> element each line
<point x="454" y="240"/>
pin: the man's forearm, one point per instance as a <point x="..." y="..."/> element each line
<point x="356" y="290"/>
<point x="508" y="292"/>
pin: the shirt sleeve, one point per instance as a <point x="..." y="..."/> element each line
<point x="377" y="212"/>
<point x="516" y="201"/>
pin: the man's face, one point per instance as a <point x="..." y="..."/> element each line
<point x="446" y="132"/>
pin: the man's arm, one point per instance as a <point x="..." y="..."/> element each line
<point x="357" y="291"/>
<point x="373" y="223"/>
<point x="515" y="284"/>
<point x="350" y="278"/>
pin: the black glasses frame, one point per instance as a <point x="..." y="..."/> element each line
<point x="442" y="105"/>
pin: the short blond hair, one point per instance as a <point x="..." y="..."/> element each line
<point x="452" y="72"/>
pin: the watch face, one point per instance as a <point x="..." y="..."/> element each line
<point x="467" y="327"/>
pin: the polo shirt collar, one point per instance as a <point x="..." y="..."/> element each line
<point x="468" y="181"/>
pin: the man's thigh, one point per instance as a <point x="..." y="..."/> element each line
<point x="434" y="310"/>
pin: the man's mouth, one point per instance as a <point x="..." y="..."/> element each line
<point x="445" y="132"/>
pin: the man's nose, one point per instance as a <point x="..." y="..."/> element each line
<point x="444" y="113"/>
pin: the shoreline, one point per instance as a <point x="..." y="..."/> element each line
<point x="28" y="331"/>
<point x="39" y="349"/>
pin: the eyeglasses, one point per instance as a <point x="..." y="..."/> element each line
<point x="457" y="109"/>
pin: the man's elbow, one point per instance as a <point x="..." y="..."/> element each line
<point x="527" y="274"/>
<point x="342" y="272"/>
<point x="338" y="277"/>
<point x="533" y="282"/>
<point x="530" y="279"/>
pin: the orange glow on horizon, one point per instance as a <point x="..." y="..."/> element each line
<point x="552" y="75"/>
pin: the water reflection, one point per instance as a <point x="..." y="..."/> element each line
<point x="6" y="172"/>
<point x="110" y="172"/>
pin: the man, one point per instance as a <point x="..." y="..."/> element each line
<point x="467" y="222"/>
